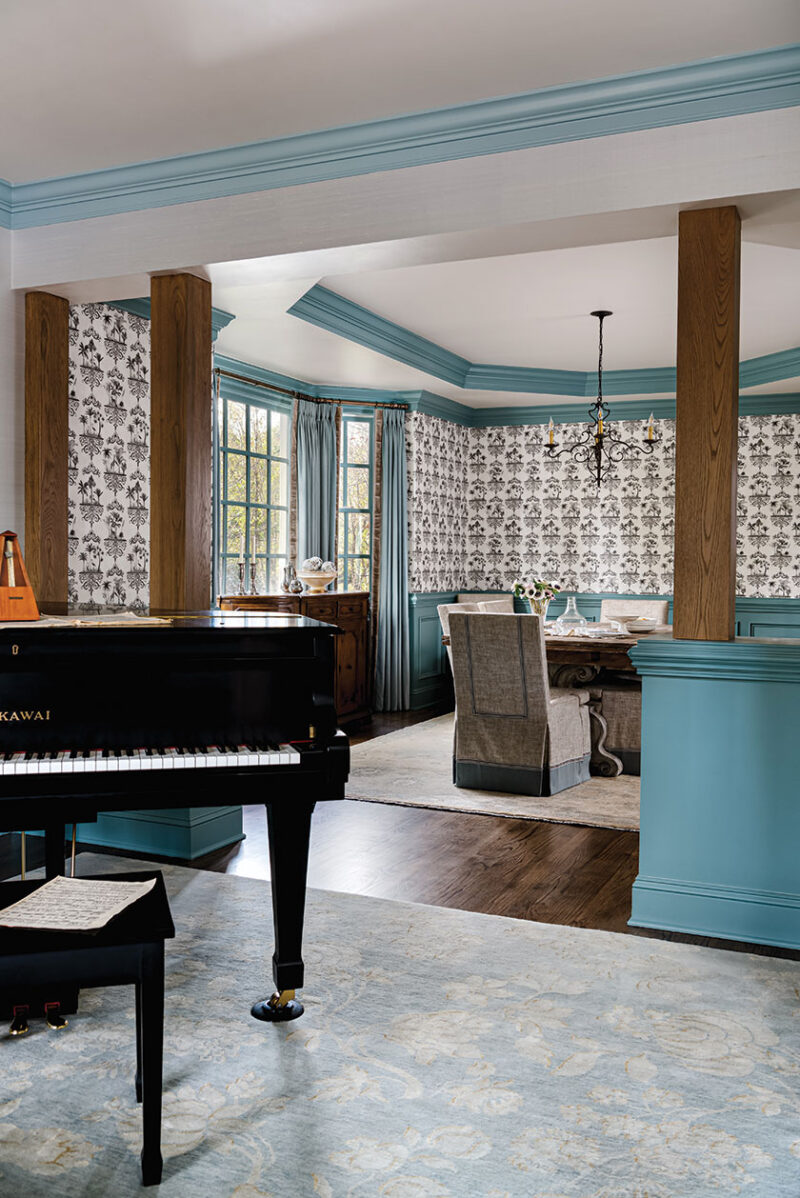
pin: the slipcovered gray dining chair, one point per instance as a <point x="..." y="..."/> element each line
<point x="506" y="604"/>
<point x="444" y="610"/>
<point x="513" y="731"/>
<point x="654" y="609"/>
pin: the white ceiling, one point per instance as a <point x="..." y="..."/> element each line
<point x="533" y="309"/>
<point x="98" y="84"/>
<point x="528" y="309"/>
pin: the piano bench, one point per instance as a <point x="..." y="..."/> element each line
<point x="38" y="968"/>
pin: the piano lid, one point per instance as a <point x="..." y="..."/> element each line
<point x="168" y="621"/>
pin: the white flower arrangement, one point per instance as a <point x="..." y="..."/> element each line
<point x="539" y="592"/>
<point x="537" y="589"/>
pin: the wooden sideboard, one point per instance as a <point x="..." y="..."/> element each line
<point x="349" y="611"/>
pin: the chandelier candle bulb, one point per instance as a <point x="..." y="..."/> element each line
<point x="550" y="431"/>
<point x="650" y="427"/>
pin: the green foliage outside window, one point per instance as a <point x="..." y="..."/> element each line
<point x="252" y="493"/>
<point x="355" y="501"/>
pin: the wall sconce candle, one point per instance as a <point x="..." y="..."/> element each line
<point x="550" y="431"/>
<point x="650" y="427"/>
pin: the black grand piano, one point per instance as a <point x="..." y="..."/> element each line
<point x="194" y="711"/>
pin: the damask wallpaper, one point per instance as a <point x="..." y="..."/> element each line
<point x="437" y="455"/>
<point x="515" y="513"/>
<point x="109" y="459"/>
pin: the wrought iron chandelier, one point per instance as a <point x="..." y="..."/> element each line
<point x="600" y="446"/>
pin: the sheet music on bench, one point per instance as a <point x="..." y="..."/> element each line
<point x="73" y="904"/>
<point x="180" y="710"/>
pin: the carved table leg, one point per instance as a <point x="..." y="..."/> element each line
<point x="603" y="762"/>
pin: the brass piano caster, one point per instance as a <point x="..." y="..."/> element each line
<point x="19" y="1024"/>
<point x="53" y="1016"/>
<point x="280" y="1008"/>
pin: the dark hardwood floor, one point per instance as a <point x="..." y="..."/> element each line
<point x="552" y="873"/>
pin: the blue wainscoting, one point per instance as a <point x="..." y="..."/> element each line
<point x="431" y="681"/>
<point x="430" y="673"/>
<point x="720" y="817"/>
<point x="183" y="833"/>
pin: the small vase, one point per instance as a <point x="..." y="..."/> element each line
<point x="571" y="617"/>
<point x="539" y="607"/>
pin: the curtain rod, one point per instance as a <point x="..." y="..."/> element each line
<point x="365" y="403"/>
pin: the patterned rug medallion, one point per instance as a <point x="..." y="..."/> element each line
<point x="413" y="768"/>
<point x="442" y="1054"/>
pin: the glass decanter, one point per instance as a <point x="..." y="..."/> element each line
<point x="571" y="617"/>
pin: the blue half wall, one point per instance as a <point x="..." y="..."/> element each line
<point x="720" y="805"/>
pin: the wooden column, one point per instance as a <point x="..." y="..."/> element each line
<point x="46" y="447"/>
<point x="706" y="427"/>
<point x="180" y="460"/>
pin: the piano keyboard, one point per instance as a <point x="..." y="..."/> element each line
<point x="98" y="761"/>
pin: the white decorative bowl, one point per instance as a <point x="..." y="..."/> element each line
<point x="316" y="580"/>
<point x="638" y="623"/>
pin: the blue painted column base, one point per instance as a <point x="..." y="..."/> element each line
<point x="720" y="792"/>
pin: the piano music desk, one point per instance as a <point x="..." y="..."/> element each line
<point x="128" y="951"/>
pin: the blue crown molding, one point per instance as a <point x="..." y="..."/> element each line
<point x="784" y="403"/>
<point x="430" y="404"/>
<point x="141" y="307"/>
<point x="330" y="311"/>
<point x="695" y="91"/>
<point x="416" y="401"/>
<point x="6" y="204"/>
<point x="745" y="658"/>
<point x="771" y="368"/>
<point x="327" y="310"/>
<point x="573" y="413"/>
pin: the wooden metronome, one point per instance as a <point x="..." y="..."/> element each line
<point x="17" y="600"/>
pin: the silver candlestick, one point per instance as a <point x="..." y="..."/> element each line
<point x="241" y="578"/>
<point x="253" y="590"/>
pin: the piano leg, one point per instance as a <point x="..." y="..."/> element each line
<point x="289" y="826"/>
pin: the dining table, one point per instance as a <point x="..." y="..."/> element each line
<point x="579" y="657"/>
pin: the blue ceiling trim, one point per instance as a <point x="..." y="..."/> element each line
<point x="446" y="409"/>
<point x="571" y="413"/>
<point x="704" y="90"/>
<point x="482" y="376"/>
<point x="430" y="404"/>
<point x="328" y="310"/>
<point x="771" y="368"/>
<point x="141" y="307"/>
<point x="322" y="307"/>
<point x="6" y="204"/>
<point x="630" y="409"/>
<point x="261" y="374"/>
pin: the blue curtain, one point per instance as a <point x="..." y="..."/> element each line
<point x="392" y="670"/>
<point x="316" y="480"/>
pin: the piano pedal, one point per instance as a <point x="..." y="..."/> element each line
<point x="279" y="1008"/>
<point x="53" y="1016"/>
<point x="19" y="1024"/>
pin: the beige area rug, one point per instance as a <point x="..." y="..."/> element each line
<point x="413" y="768"/>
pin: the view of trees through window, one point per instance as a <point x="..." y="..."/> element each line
<point x="253" y="494"/>
<point x="355" y="501"/>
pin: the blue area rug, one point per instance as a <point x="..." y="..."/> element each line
<point x="443" y="1054"/>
